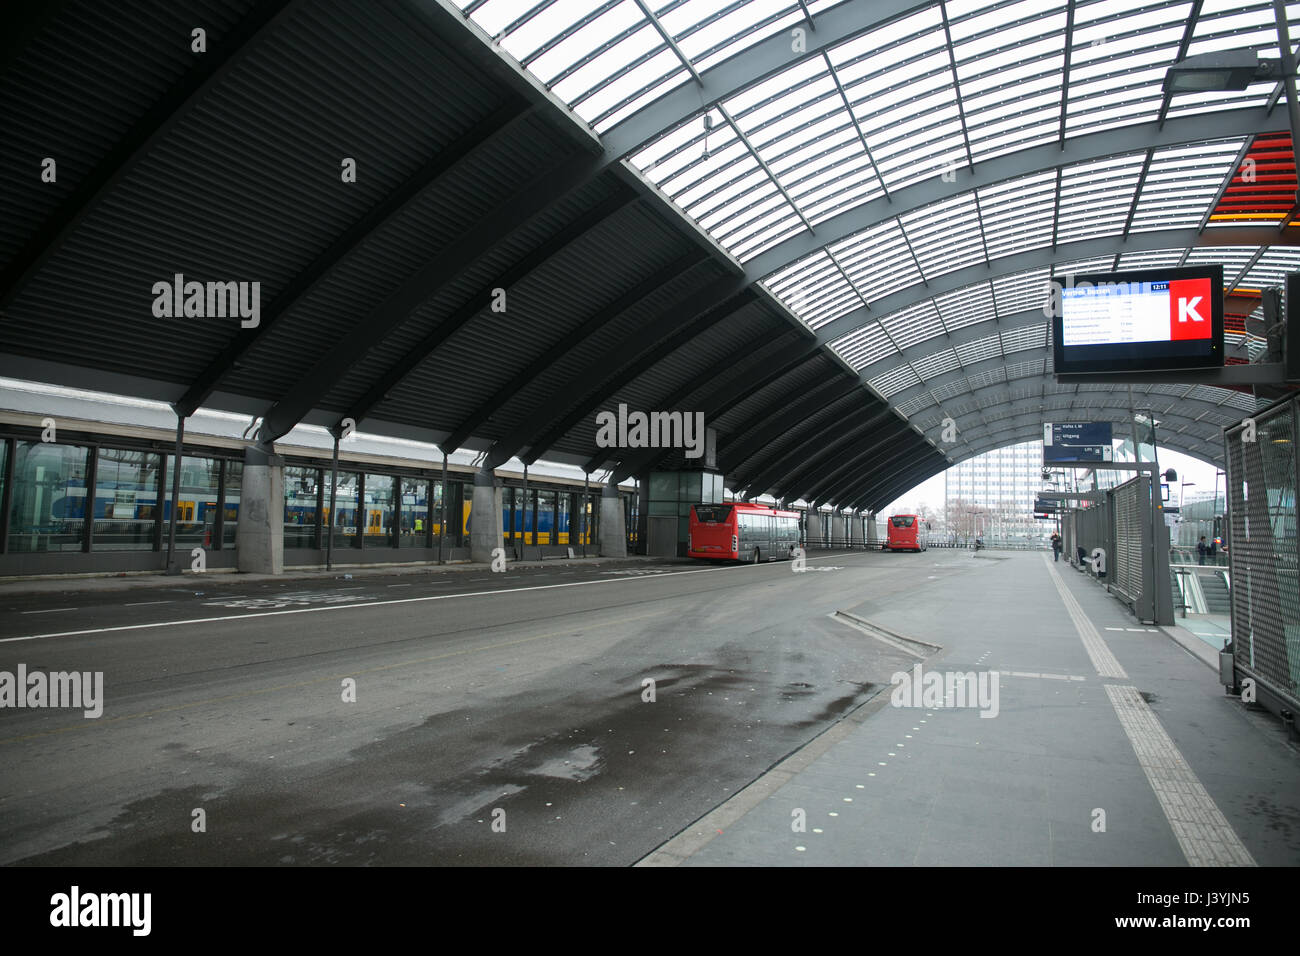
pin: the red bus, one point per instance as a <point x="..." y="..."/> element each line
<point x="742" y="532"/>
<point x="906" y="533"/>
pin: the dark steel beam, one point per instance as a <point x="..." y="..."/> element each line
<point x="767" y="427"/>
<point x="1019" y="164"/>
<point x="1065" y="70"/>
<point x="956" y="85"/>
<point x="808" y="482"/>
<point x="1227" y="181"/>
<point x="478" y="302"/>
<point x="718" y="384"/>
<point x="224" y="54"/>
<point x="878" y="497"/>
<point x="567" y="343"/>
<point x="865" y="466"/>
<point x="305" y="281"/>
<point x="487" y="232"/>
<point x="771" y="473"/>
<point x="628" y="360"/>
<point x="951" y="340"/>
<point x="1045" y="256"/>
<point x="1188" y="32"/>
<point x="1137" y="193"/>
<point x="466" y="41"/>
<point x="737" y="390"/>
<point x="883" y="477"/>
<point x="760" y="61"/>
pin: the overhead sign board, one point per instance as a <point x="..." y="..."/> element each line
<point x="1073" y="442"/>
<point x="1144" y="320"/>
<point x="1044" y="507"/>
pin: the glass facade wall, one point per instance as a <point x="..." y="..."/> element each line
<point x="379" y="511"/>
<point x="48" y="511"/>
<point x="301" y="487"/>
<point x="126" y="500"/>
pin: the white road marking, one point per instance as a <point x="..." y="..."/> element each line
<point x="340" y="607"/>
<point x="1044" y="676"/>
<point x="1203" y="833"/>
<point x="147" y="603"/>
<point x="1102" y="659"/>
<point x="399" y="585"/>
<point x="51" y="610"/>
<point x="1114" y="628"/>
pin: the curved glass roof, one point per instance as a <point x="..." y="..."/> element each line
<point x="826" y="163"/>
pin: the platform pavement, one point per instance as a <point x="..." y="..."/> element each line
<point x="128" y="581"/>
<point x="933" y="786"/>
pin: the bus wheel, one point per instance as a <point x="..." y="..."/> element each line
<point x="755" y="558"/>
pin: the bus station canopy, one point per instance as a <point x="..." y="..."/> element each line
<point x="829" y="226"/>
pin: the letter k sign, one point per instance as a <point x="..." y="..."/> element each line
<point x="1189" y="309"/>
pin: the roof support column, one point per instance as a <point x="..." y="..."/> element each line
<point x="613" y="528"/>
<point x="173" y="566"/>
<point x="485" y="530"/>
<point x="260" y="543"/>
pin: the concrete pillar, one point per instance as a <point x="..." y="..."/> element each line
<point x="873" y="535"/>
<point x="855" y="524"/>
<point x="613" y="530"/>
<point x="485" y="531"/>
<point x="259" y="545"/>
<point x="839" y="528"/>
<point x="816" y="539"/>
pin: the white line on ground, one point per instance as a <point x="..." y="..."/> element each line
<point x="1102" y="659"/>
<point x="1045" y="676"/>
<point x="339" y="607"/>
<point x="51" y="610"/>
<point x="146" y="603"/>
<point x="1203" y="833"/>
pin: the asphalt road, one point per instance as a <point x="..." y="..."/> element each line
<point x="498" y="718"/>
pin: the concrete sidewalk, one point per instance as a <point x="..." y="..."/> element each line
<point x="1054" y="778"/>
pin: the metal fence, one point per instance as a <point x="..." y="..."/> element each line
<point x="1264" y="556"/>
<point x="1134" y="544"/>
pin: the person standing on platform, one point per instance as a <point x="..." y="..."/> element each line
<point x="1200" y="550"/>
<point x="1057" y="544"/>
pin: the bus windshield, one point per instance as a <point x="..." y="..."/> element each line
<point x="903" y="521"/>
<point x="708" y="513"/>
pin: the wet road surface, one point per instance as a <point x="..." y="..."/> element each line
<point x="496" y="719"/>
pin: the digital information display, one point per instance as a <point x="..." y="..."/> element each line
<point x="1134" y="321"/>
<point x="1065" y="442"/>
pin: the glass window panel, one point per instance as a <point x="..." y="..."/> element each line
<point x="378" y="517"/>
<point x="414" y="513"/>
<point x="663" y="486"/>
<point x="196" y="513"/>
<point x="49" y="497"/>
<point x="689" y="486"/>
<point x="564" y="528"/>
<point x="300" y="515"/>
<point x="230" y="522"/>
<point x="343" y="520"/>
<point x="545" y="518"/>
<point x="126" y="500"/>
